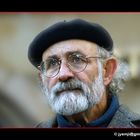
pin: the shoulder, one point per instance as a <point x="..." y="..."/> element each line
<point x="47" y="124"/>
<point x="124" y="117"/>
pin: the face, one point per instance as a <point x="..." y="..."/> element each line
<point x="70" y="92"/>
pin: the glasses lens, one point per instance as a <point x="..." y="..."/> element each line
<point x="77" y="62"/>
<point x="50" y="67"/>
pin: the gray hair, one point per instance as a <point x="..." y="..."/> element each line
<point x="122" y="73"/>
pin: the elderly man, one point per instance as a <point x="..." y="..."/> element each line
<point x="78" y="75"/>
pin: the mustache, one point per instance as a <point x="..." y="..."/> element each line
<point x="71" y="84"/>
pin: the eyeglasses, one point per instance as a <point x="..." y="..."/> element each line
<point x="75" y="62"/>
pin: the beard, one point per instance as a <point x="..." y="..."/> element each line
<point x="73" y="96"/>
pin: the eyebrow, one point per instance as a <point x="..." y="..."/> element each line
<point x="67" y="54"/>
<point x="76" y="52"/>
<point x="52" y="56"/>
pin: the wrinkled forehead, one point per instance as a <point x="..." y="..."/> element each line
<point x="74" y="45"/>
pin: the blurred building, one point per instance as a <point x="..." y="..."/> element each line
<point x="21" y="102"/>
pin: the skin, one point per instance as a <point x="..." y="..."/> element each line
<point x="61" y="49"/>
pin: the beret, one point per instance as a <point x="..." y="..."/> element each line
<point x="64" y="30"/>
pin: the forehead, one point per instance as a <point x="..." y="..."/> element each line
<point x="63" y="47"/>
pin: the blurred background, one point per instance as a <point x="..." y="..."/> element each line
<point x="22" y="104"/>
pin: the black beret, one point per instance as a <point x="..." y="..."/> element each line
<point x="74" y="29"/>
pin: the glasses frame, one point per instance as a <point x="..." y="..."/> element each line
<point x="68" y="65"/>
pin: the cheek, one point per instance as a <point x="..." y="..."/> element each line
<point x="50" y="82"/>
<point x="92" y="72"/>
<point x="87" y="76"/>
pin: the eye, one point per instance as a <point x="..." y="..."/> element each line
<point x="52" y="63"/>
<point x="76" y="59"/>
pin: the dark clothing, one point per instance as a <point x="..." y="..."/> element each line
<point x="116" y="116"/>
<point x="102" y="121"/>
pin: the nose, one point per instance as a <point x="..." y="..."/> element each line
<point x="65" y="73"/>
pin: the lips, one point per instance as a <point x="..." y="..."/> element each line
<point x="68" y="90"/>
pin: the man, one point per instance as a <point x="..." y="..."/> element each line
<point x="78" y="75"/>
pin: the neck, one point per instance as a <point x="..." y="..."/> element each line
<point x="90" y="114"/>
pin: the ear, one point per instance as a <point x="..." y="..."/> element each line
<point x="109" y="68"/>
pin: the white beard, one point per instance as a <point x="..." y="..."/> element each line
<point x="71" y="102"/>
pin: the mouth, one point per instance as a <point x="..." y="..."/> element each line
<point x="76" y="90"/>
